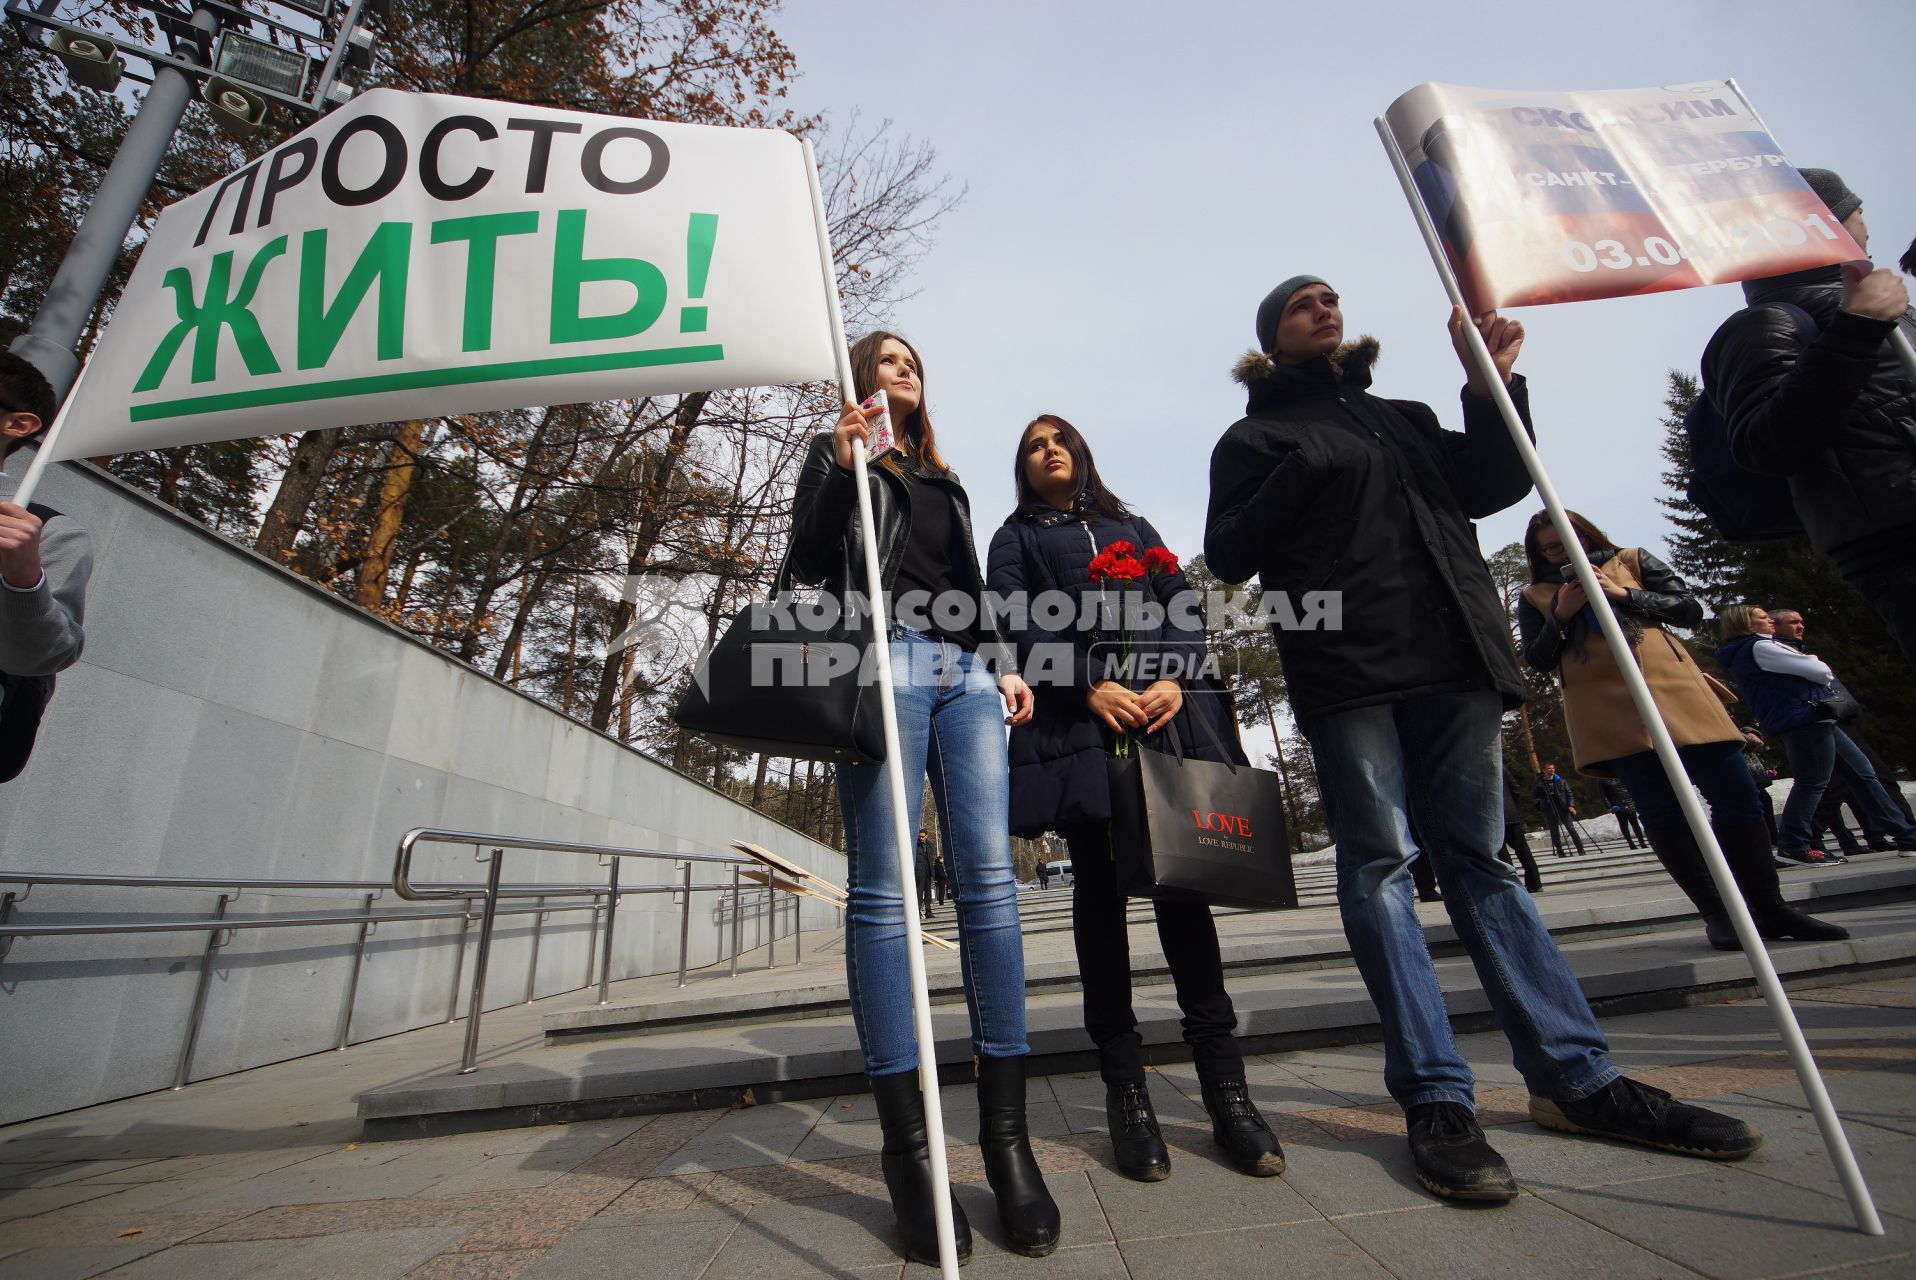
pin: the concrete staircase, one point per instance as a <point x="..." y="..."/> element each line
<point x="782" y="1033"/>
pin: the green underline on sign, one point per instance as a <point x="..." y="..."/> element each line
<point x="412" y="380"/>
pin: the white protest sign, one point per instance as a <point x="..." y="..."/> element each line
<point x="414" y="255"/>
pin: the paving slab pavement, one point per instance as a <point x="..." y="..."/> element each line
<point x="168" y="1186"/>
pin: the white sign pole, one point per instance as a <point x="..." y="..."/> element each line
<point x="1834" y="1140"/>
<point x="902" y="813"/>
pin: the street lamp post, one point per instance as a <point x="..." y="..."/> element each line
<point x="52" y="341"/>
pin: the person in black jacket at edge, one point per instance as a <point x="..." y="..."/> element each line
<point x="1324" y="487"/>
<point x="1835" y="413"/>
<point x="1083" y="699"/>
<point x="952" y="713"/>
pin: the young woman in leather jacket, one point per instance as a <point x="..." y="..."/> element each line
<point x="952" y="712"/>
<point x="1560" y="633"/>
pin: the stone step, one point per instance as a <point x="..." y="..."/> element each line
<point x="1044" y="910"/>
<point x="1660" y="965"/>
<point x="1250" y="942"/>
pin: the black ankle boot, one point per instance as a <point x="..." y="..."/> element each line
<point x="1025" y="1206"/>
<point x="1721" y="933"/>
<point x="1135" y="1140"/>
<point x="1240" y="1130"/>
<point x="1747" y="850"/>
<point x="906" y="1160"/>
<point x="1676" y="849"/>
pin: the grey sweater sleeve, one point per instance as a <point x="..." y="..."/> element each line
<point x="40" y="630"/>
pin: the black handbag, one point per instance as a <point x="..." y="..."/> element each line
<point x="1188" y="830"/>
<point x="1841" y="705"/>
<point x="790" y="678"/>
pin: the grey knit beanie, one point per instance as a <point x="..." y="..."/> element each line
<point x="1832" y="191"/>
<point x="1271" y="310"/>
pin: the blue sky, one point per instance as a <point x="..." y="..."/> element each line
<point x="1141" y="174"/>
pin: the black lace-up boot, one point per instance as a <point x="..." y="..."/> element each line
<point x="1135" y="1139"/>
<point x="1240" y="1130"/>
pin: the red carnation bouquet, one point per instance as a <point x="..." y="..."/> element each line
<point x="1119" y="562"/>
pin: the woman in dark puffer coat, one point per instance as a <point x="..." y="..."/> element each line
<point x="1065" y="518"/>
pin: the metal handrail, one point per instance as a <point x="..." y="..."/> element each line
<point x="403" y="886"/>
<point x="234" y="924"/>
<point x="200" y="882"/>
<point x="221" y="927"/>
<point x="402" y="867"/>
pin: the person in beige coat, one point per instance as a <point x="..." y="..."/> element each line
<point x="1559" y="631"/>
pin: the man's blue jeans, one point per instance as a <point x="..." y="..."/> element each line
<point x="1814" y="750"/>
<point x="1438" y="760"/>
<point x="951" y="721"/>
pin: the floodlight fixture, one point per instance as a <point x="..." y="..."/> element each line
<point x="247" y="60"/>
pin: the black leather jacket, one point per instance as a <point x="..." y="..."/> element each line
<point x="1836" y="414"/>
<point x="827" y="541"/>
<point x="1663" y="598"/>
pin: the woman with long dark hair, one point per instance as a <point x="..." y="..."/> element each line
<point x="1085" y="697"/>
<point x="1560" y="633"/>
<point x="952" y="712"/>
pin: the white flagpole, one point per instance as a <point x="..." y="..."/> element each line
<point x="902" y="813"/>
<point x="1834" y="1139"/>
<point x="43" y="456"/>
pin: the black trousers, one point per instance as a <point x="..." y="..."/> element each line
<point x="1558" y="824"/>
<point x="1891" y="591"/>
<point x="1189" y="937"/>
<point x="1424" y="876"/>
<point x="1884" y="774"/>
<point x="1629" y="823"/>
<point x="1517" y="843"/>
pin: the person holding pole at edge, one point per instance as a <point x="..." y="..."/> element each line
<point x="1323" y="486"/>
<point x="951" y="714"/>
<point x="1823" y="396"/>
<point x="1481" y="361"/>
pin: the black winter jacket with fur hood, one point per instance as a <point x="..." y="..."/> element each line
<point x="1325" y="487"/>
